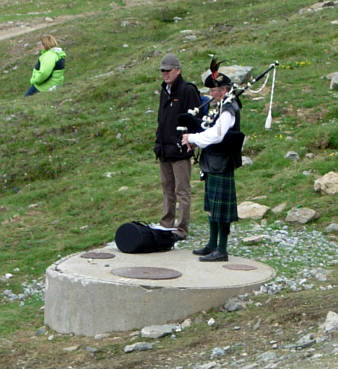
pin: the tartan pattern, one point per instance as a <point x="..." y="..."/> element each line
<point x="220" y="197"/>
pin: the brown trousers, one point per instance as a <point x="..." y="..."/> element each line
<point x="175" y="177"/>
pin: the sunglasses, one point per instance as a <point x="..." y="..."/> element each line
<point x="166" y="70"/>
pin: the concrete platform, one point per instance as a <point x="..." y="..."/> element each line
<point x="84" y="297"/>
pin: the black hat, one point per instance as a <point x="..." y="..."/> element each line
<point x="217" y="80"/>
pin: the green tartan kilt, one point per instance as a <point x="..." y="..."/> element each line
<point x="220" y="197"/>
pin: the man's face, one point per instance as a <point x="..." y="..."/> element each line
<point x="169" y="76"/>
<point x="217" y="93"/>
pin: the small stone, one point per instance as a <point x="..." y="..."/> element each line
<point x="252" y="240"/>
<point x="186" y="324"/>
<point x="157" y="331"/>
<point x="211" y="322"/>
<point x="217" y="352"/>
<point x="309" y="155"/>
<point x="332" y="228"/>
<point x="331" y="322"/>
<point x="101" y="336"/>
<point x="292" y="155"/>
<point x="41" y="331"/>
<point x="234" y="304"/>
<point x="71" y="348"/>
<point x="139" y="346"/>
<point x="279" y="208"/>
<point x="92" y="350"/>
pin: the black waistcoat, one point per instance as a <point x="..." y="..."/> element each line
<point x="226" y="155"/>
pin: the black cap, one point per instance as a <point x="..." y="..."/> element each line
<point x="216" y="81"/>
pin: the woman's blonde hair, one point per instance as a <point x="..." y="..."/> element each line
<point x="48" y="41"/>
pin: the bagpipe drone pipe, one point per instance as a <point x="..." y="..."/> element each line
<point x="233" y="141"/>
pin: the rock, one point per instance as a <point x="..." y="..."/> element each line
<point x="246" y="161"/>
<point x="101" y="336"/>
<point x="292" y="155"/>
<point x="210" y="365"/>
<point x="301" y="215"/>
<point x="331" y="322"/>
<point x="309" y="155"/>
<point x="138" y="346"/>
<point x="267" y="356"/>
<point x="211" y="322"/>
<point x="71" y="348"/>
<point x="334" y="83"/>
<point x="305" y="341"/>
<point x="252" y="240"/>
<point x="157" y="331"/>
<point x="279" y="208"/>
<point x="234" y="304"/>
<point x="186" y="324"/>
<point x="332" y="228"/>
<point x="250" y="366"/>
<point x="327" y="184"/>
<point x="217" y="352"/>
<point x="257" y="324"/>
<point x="41" y="331"/>
<point x="236" y="73"/>
<point x="92" y="350"/>
<point x="251" y="210"/>
<point x="317" y="7"/>
<point x="123" y="188"/>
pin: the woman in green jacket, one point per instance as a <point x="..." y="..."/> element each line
<point x="48" y="71"/>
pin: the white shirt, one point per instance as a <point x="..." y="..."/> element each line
<point x="215" y="134"/>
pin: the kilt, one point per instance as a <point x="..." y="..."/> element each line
<point x="220" y="197"/>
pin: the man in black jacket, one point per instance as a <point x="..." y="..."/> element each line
<point x="177" y="96"/>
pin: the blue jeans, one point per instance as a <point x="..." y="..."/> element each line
<point x="31" y="91"/>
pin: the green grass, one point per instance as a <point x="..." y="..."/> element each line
<point x="56" y="149"/>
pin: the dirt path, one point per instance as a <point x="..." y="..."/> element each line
<point x="13" y="29"/>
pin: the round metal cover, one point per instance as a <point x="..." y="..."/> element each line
<point x="147" y="273"/>
<point x="98" y="255"/>
<point x="239" y="267"/>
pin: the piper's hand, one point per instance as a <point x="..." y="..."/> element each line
<point x="185" y="141"/>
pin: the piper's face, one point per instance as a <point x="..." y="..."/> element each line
<point x="217" y="93"/>
<point x="169" y="76"/>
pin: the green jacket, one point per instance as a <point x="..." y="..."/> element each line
<point x="48" y="71"/>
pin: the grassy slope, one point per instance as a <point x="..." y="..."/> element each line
<point x="56" y="148"/>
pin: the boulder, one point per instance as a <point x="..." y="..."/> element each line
<point x="328" y="184"/>
<point x="238" y="74"/>
<point x="301" y="215"/>
<point x="251" y="210"/>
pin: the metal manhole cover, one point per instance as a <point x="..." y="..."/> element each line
<point x="239" y="267"/>
<point x="146" y="273"/>
<point x="98" y="255"/>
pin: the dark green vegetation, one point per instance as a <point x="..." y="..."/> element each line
<point x="57" y="148"/>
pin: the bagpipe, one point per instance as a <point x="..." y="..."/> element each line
<point x="190" y="122"/>
<point x="233" y="141"/>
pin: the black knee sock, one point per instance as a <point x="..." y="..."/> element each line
<point x="213" y="235"/>
<point x="223" y="231"/>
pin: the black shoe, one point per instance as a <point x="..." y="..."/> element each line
<point x="203" y="251"/>
<point x="215" y="256"/>
<point x="177" y="237"/>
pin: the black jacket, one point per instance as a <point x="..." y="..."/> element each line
<point x="183" y="96"/>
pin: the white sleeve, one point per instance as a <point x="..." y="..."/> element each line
<point x="214" y="134"/>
